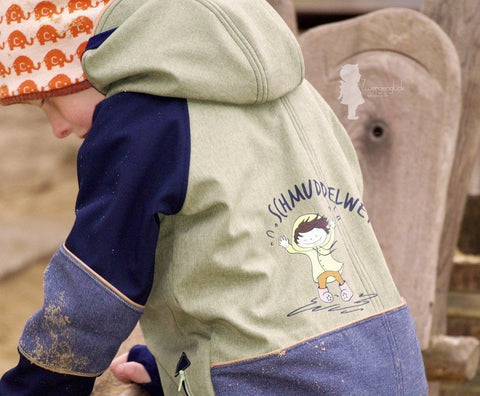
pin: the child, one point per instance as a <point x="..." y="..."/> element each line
<point x="207" y="146"/>
<point x="314" y="236"/>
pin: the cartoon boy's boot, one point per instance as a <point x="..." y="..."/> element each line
<point x="345" y="292"/>
<point x="325" y="295"/>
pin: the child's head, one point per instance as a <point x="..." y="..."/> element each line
<point x="41" y="44"/>
<point x="311" y="233"/>
<point x="72" y="113"/>
<point x="350" y="73"/>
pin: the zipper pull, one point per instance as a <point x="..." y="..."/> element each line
<point x="182" y="365"/>
<point x="182" y="379"/>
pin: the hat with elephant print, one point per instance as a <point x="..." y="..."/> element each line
<point x="41" y="44"/>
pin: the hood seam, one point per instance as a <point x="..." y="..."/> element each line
<point x="292" y="39"/>
<point x="243" y="44"/>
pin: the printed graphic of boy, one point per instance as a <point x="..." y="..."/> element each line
<point x="314" y="236"/>
<point x="190" y="112"/>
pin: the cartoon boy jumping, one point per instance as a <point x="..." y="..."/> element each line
<point x="314" y="236"/>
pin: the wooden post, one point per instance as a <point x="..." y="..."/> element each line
<point x="286" y="9"/>
<point x="460" y="19"/>
<point x="405" y="140"/>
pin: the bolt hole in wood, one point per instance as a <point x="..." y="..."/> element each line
<point x="377" y="130"/>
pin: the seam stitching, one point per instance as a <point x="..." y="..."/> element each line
<point x="100" y="281"/>
<point x="244" y="45"/>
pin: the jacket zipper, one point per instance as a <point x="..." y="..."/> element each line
<point x="182" y="365"/>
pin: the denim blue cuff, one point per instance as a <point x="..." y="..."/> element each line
<point x="82" y="322"/>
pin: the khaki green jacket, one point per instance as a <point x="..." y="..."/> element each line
<point x="266" y="151"/>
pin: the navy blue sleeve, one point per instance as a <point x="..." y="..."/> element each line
<point x="132" y="165"/>
<point x="29" y="379"/>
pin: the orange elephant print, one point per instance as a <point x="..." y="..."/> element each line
<point x="56" y="57"/>
<point x="23" y="64"/>
<point x="27" y="87"/>
<point x="81" y="49"/>
<point x="4" y="71"/>
<point x="46" y="9"/>
<point x="76" y="5"/>
<point x="15" y="13"/>
<point x="18" y="39"/>
<point x="49" y="33"/>
<point x="4" y="92"/>
<point x="81" y="25"/>
<point x="60" y="81"/>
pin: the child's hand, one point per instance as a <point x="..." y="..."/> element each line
<point x="138" y="366"/>
<point x="283" y="241"/>
<point x="128" y="372"/>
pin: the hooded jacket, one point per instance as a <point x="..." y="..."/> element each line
<point x="215" y="90"/>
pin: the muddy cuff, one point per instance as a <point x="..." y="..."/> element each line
<point x="82" y="322"/>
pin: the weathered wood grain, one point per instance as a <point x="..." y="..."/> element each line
<point x="350" y="6"/>
<point x="452" y="358"/>
<point x="469" y="234"/>
<point x="405" y="135"/>
<point x="460" y="19"/>
<point x="287" y="11"/>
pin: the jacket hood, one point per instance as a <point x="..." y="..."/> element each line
<point x="232" y="51"/>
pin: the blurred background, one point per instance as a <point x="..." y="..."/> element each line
<point x="37" y="195"/>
